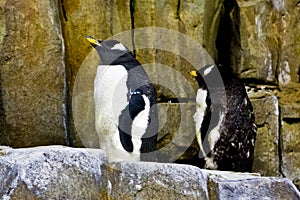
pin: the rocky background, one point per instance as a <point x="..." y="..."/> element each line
<point x="43" y="49"/>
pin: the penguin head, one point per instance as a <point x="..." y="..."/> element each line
<point x="109" y="50"/>
<point x="213" y="75"/>
<point x="203" y="74"/>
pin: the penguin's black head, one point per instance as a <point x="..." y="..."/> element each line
<point x="212" y="75"/>
<point x="203" y="74"/>
<point x="109" y="50"/>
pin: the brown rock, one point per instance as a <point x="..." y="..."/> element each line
<point x="170" y="49"/>
<point x="290" y="121"/>
<point x="269" y="34"/>
<point x="100" y="19"/>
<point x="177" y="132"/>
<point x="259" y="40"/>
<point x="32" y="74"/>
<point x="289" y="66"/>
<point x="266" y="158"/>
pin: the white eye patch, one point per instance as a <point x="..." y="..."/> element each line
<point x="208" y="70"/>
<point x="119" y="46"/>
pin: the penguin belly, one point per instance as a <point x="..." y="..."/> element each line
<point x="110" y="96"/>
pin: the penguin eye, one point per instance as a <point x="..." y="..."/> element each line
<point x="119" y="46"/>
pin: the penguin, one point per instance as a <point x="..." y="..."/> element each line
<point x="224" y="120"/>
<point x="125" y="104"/>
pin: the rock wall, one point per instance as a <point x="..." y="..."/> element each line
<point x="47" y="69"/>
<point x="56" y="172"/>
<point x="32" y="71"/>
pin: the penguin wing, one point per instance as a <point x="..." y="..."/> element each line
<point x="125" y="123"/>
<point x="136" y="105"/>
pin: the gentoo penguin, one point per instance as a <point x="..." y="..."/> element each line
<point x="125" y="112"/>
<point x="224" y="120"/>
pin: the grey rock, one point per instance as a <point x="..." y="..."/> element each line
<point x="57" y="172"/>
<point x="253" y="188"/>
<point x="52" y="172"/>
<point x="172" y="181"/>
<point x="157" y="181"/>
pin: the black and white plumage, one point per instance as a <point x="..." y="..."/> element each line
<point x="125" y="112"/>
<point x="224" y="119"/>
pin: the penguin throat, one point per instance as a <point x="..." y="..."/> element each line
<point x="116" y="59"/>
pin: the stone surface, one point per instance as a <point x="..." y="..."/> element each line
<point x="156" y="181"/>
<point x="98" y="18"/>
<point x="269" y="39"/>
<point x="289" y="65"/>
<point x="32" y="74"/>
<point x="52" y="172"/>
<point x="57" y="172"/>
<point x="160" y="181"/>
<point x="180" y="53"/>
<point x="290" y="126"/>
<point x="252" y="188"/>
<point x="83" y="102"/>
<point x="266" y="110"/>
<point x="176" y="142"/>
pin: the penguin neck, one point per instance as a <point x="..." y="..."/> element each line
<point x="117" y="59"/>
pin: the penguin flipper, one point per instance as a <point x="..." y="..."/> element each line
<point x="125" y="123"/>
<point x="135" y="106"/>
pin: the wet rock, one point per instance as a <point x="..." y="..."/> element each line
<point x="52" y="172"/>
<point x="32" y="74"/>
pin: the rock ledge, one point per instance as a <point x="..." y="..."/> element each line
<point x="57" y="172"/>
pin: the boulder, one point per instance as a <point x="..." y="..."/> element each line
<point x="97" y="18"/>
<point x="100" y="19"/>
<point x="290" y="146"/>
<point x="58" y="172"/>
<point x="32" y="72"/>
<point x="173" y="181"/>
<point x="266" y="110"/>
<point x="197" y="22"/>
<point x="176" y="142"/>
<point x="269" y="40"/>
<point x="52" y="172"/>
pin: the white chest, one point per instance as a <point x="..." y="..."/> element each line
<point x="110" y="96"/>
<point x="110" y="90"/>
